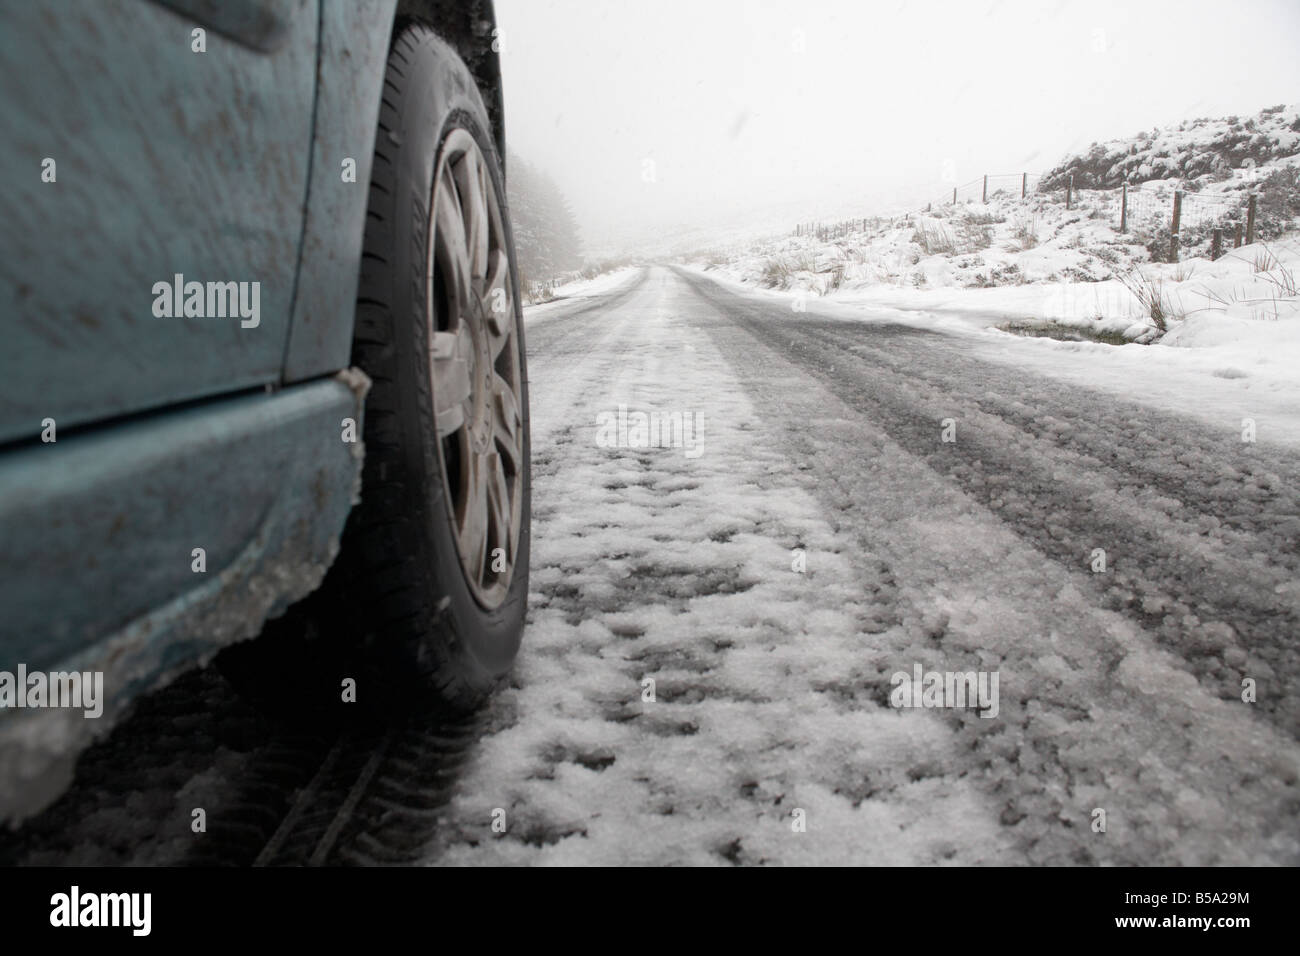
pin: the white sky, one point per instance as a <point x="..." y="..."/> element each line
<point x="744" y="129"/>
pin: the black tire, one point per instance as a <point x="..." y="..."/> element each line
<point x="422" y="637"/>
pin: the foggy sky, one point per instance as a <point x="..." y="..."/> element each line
<point x="769" y="110"/>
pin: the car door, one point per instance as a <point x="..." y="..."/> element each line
<point x="141" y="142"/>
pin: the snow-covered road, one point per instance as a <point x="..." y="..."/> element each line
<point x="823" y="536"/>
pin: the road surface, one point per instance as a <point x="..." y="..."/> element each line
<point x="716" y="622"/>
<point x="1120" y="690"/>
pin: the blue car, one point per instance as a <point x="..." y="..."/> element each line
<point x="262" y="340"/>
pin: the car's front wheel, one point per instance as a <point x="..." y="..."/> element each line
<point x="433" y="568"/>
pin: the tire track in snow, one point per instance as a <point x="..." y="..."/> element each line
<point x="769" y="685"/>
<point x="1211" y="573"/>
<point x="1095" y="713"/>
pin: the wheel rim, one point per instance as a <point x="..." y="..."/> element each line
<point x="474" y="366"/>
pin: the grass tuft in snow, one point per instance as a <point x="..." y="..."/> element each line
<point x="1264" y="260"/>
<point x="1026" y="231"/>
<point x="935" y="240"/>
<point x="1151" y="296"/>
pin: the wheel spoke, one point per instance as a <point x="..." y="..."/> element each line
<point x="498" y="503"/>
<point x="470" y="176"/>
<point x="474" y="529"/>
<point x="450" y="236"/>
<point x="506" y="422"/>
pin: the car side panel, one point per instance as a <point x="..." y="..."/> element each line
<point x="137" y="550"/>
<point x="354" y="40"/>
<point x="354" y="50"/>
<point x="264" y="25"/>
<point x="167" y="161"/>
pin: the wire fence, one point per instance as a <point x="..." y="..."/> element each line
<point x="1124" y="207"/>
<point x="991" y="186"/>
<point x="826" y="231"/>
<point x="1229" y="218"/>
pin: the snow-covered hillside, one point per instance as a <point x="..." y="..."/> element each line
<point x="1205" y="151"/>
<point x="1036" y="263"/>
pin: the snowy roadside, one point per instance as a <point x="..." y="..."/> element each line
<point x="1051" y="283"/>
<point x="579" y="289"/>
<point x="1223" y="364"/>
<point x="1048" y="254"/>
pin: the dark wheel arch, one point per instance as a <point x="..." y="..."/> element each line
<point x="467" y="26"/>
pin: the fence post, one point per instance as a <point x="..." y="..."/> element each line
<point x="984" y="196"/>
<point x="954" y="195"/>
<point x="1236" y="240"/>
<point x="1069" y="192"/>
<point x="1216" y="244"/>
<point x="1024" y="181"/>
<point x="1173" y="226"/>
<point x="1250" y="219"/>
<point x="1123" y="209"/>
